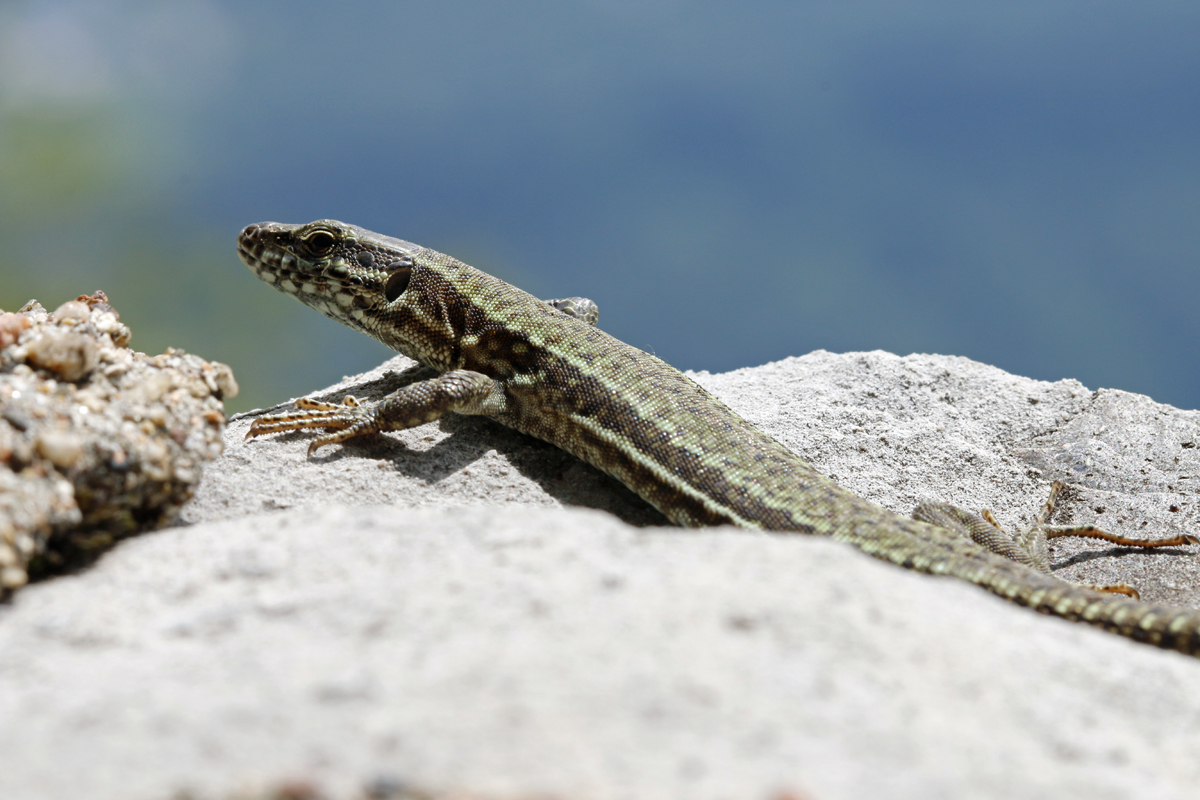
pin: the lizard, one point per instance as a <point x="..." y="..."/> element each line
<point x="544" y="368"/>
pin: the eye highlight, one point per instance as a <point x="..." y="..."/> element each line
<point x="319" y="243"/>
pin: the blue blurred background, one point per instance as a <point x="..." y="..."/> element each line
<point x="1014" y="182"/>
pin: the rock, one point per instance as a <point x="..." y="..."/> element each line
<point x="435" y="609"/>
<point x="96" y="441"/>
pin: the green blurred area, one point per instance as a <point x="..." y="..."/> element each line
<point x="54" y="159"/>
<point x="98" y="105"/>
<point x="80" y="215"/>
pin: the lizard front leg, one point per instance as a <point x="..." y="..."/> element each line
<point x="461" y="390"/>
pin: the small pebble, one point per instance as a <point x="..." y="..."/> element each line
<point x="60" y="448"/>
<point x="71" y="311"/>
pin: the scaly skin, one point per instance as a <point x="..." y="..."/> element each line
<point x="543" y="368"/>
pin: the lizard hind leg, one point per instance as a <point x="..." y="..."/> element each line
<point x="1030" y="550"/>
<point x="1030" y="546"/>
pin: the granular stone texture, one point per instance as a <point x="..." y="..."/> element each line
<point x="97" y="441"/>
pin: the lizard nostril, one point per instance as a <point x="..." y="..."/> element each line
<point x="251" y="233"/>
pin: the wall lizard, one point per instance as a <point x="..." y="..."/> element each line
<point x="545" y="369"/>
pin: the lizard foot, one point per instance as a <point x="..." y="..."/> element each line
<point x="343" y="421"/>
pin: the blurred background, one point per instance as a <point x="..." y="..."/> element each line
<point x="1017" y="182"/>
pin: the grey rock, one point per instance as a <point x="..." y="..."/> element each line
<point x="435" y="606"/>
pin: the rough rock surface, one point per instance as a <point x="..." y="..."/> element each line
<point x="420" y="609"/>
<point x="97" y="441"/>
<point x="895" y="430"/>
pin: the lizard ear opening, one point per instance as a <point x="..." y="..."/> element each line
<point x="397" y="282"/>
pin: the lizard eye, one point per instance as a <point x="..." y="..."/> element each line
<point x="320" y="242"/>
<point x="397" y="282"/>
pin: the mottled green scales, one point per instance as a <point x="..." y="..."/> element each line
<point x="543" y="368"/>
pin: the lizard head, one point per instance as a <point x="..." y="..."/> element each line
<point x="346" y="272"/>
